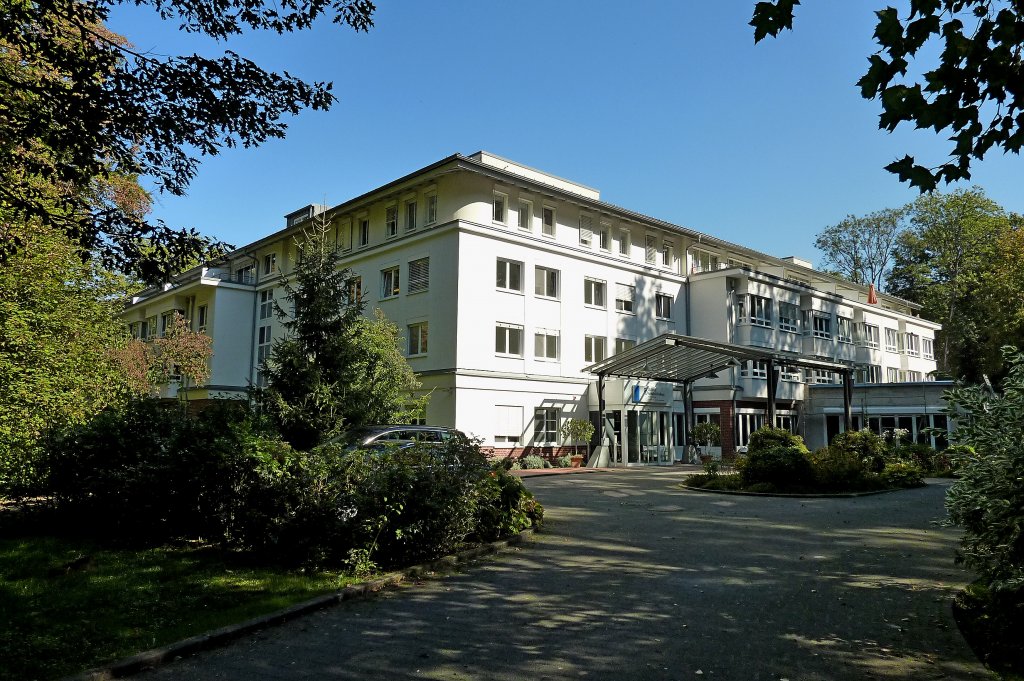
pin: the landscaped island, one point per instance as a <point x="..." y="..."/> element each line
<point x="778" y="462"/>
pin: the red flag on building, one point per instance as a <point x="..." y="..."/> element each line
<point x="872" y="296"/>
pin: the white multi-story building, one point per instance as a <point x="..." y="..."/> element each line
<point x="508" y="282"/>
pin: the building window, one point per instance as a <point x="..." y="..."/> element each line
<point x="355" y="290"/>
<point x="914" y="376"/>
<point x="913" y="344"/>
<point x="703" y="261"/>
<point x="345" y="236"/>
<point x="202" y="317"/>
<point x="509" y="275"/>
<point x="650" y="249"/>
<point x="624" y="295"/>
<point x="150" y="327"/>
<point x="389" y="282"/>
<point x="623" y="344"/>
<point x="267" y="303"/>
<point x="757" y="311"/>
<point x="789" y="316"/>
<point x="604" y="237"/>
<point x="548" y="225"/>
<point x="790" y="374"/>
<point x="586" y="230"/>
<point x="666" y="254"/>
<point x="410" y="216"/>
<point x="270" y="263"/>
<point x="246" y="275"/>
<point x="733" y="262"/>
<point x="431" y="209"/>
<point x="844" y="329"/>
<point x="545" y="426"/>
<point x="928" y="348"/>
<point x="871" y="373"/>
<point x="508" y="340"/>
<point x="364" y="231"/>
<point x="263" y="345"/>
<point x="594" y="348"/>
<point x="418" y="338"/>
<point x="754" y="369"/>
<point x="500" y="207"/>
<point x="525" y="215"/>
<point x="624" y="242"/>
<point x="892" y="375"/>
<point x="891" y="336"/>
<point x="419" y="275"/>
<point x="165" y="322"/>
<point x="545" y="344"/>
<point x="391" y="221"/>
<point x="869" y="337"/>
<point x="593" y="292"/>
<point x="545" y="282"/>
<point x="820" y="376"/>
<point x="820" y="324"/>
<point x="662" y="306"/>
<point x="509" y="426"/>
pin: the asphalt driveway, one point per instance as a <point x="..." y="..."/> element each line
<point x="636" y="579"/>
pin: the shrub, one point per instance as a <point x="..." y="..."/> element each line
<point x="839" y="468"/>
<point x="902" y="474"/>
<point x="534" y="461"/>
<point x="988" y="498"/>
<point x="564" y="461"/>
<point x="767" y="438"/>
<point x="505" y="507"/>
<point x="920" y="454"/>
<point x="414" y="503"/>
<point x="863" y="445"/>
<point x="782" y="467"/>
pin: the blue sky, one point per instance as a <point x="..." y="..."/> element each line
<point x="667" y="107"/>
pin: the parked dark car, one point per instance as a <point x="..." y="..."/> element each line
<point x="373" y="437"/>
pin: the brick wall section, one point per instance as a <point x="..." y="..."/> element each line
<point x="726" y="422"/>
<point x="548" y="453"/>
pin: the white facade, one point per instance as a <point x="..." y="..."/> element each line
<point x="508" y="282"/>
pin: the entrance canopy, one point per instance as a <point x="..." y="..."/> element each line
<point x="674" y="358"/>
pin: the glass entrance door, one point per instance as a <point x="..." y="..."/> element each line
<point x="647" y="437"/>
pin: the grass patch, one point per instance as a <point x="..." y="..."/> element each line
<point x="67" y="604"/>
<point x="992" y="627"/>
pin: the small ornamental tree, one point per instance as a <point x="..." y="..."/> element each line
<point x="707" y="434"/>
<point x="577" y="430"/>
<point x="183" y="352"/>
<point x="988" y="498"/>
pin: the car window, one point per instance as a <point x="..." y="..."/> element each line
<point x="430" y="436"/>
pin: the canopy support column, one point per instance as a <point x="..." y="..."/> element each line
<point x="848" y="399"/>
<point x="772" y="388"/>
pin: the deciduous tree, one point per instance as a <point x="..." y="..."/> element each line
<point x="941" y="261"/>
<point x="58" y="331"/>
<point x="861" y="248"/>
<point x="974" y="93"/>
<point x="80" y="104"/>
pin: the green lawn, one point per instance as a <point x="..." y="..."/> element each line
<point x="68" y="604"/>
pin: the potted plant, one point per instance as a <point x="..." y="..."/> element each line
<point x="575" y="431"/>
<point x="708" y="437"/>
